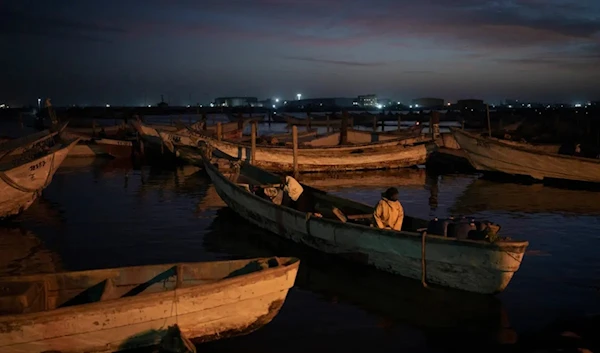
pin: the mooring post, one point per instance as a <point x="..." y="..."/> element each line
<point x="295" y="150"/>
<point x="253" y="139"/>
<point x="219" y="131"/>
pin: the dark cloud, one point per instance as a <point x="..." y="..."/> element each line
<point x="338" y="62"/>
<point x="22" y="23"/>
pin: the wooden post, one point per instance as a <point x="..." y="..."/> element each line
<point x="383" y="124"/>
<point x="487" y="112"/>
<point x="295" y="150"/>
<point x="399" y="121"/>
<point x="431" y="126"/>
<point x="327" y="121"/>
<point x="94" y="127"/>
<point x="463" y="124"/>
<point x="344" y="129"/>
<point x="307" y="122"/>
<point x="253" y="141"/>
<point x="375" y="123"/>
<point x="219" y="131"/>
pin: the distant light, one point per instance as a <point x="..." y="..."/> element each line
<point x="378" y="106"/>
<point x="577" y="105"/>
<point x="211" y="105"/>
<point x="528" y="105"/>
<point x="273" y="105"/>
<point x="510" y="106"/>
<point x="3" y="106"/>
<point x="410" y="106"/>
<point x="108" y="105"/>
<point x="589" y="103"/>
<point x="276" y="100"/>
<point x="284" y="102"/>
<point x="299" y="95"/>
<point x="399" y="103"/>
<point x="188" y="105"/>
<point x="416" y="105"/>
<point x="149" y="106"/>
<point x="548" y="106"/>
<point x="449" y="104"/>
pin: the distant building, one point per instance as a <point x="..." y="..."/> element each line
<point x="368" y="100"/>
<point x="321" y="103"/>
<point x="236" y="101"/>
<point x="428" y="102"/>
<point x="468" y="104"/>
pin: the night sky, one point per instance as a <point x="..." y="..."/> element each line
<point x="129" y="52"/>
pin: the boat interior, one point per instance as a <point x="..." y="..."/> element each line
<point x="43" y="292"/>
<point x="327" y="205"/>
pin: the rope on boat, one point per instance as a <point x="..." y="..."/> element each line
<point x="423" y="263"/>
<point x="25" y="189"/>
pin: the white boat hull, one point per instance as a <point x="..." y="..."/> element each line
<point x="492" y="155"/>
<point x="20" y="186"/>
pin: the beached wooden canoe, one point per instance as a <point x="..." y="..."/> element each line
<point x="24" y="176"/>
<point x="540" y="162"/>
<point x="361" y="137"/>
<point x="131" y="307"/>
<point x="116" y="148"/>
<point x="470" y="265"/>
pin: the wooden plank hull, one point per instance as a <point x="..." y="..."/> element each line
<point x="116" y="148"/>
<point x="493" y="155"/>
<point x="329" y="159"/>
<point x="473" y="266"/>
<point x="21" y="185"/>
<point x="204" y="311"/>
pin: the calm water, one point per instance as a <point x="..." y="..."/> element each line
<point x="99" y="214"/>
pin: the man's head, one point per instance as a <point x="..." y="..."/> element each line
<point x="391" y="194"/>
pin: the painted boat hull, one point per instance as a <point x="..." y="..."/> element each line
<point x="204" y="310"/>
<point x="21" y="185"/>
<point x="493" y="155"/>
<point x="472" y="266"/>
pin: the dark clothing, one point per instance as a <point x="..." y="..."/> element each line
<point x="305" y="202"/>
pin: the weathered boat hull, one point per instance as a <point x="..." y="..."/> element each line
<point x="203" y="312"/>
<point x="323" y="160"/>
<point x="116" y="148"/>
<point x="462" y="264"/>
<point x="508" y="157"/>
<point x="21" y="185"/>
<point x="85" y="150"/>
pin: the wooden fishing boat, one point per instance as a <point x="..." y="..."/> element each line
<point x="371" y="156"/>
<point x="20" y="145"/>
<point x="116" y="148"/>
<point x="131" y="307"/>
<point x="470" y="265"/>
<point x="95" y="131"/>
<point x="540" y="162"/>
<point x="24" y="176"/>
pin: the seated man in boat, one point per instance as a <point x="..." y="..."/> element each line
<point x="296" y="197"/>
<point x="389" y="213"/>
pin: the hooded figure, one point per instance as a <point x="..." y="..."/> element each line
<point x="389" y="213"/>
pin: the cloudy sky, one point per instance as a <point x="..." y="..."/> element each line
<point x="132" y="51"/>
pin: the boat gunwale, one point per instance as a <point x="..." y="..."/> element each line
<point x="48" y="315"/>
<point x="54" y="149"/>
<point x="505" y="245"/>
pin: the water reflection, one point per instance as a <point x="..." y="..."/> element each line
<point x="452" y="315"/>
<point x="487" y="195"/>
